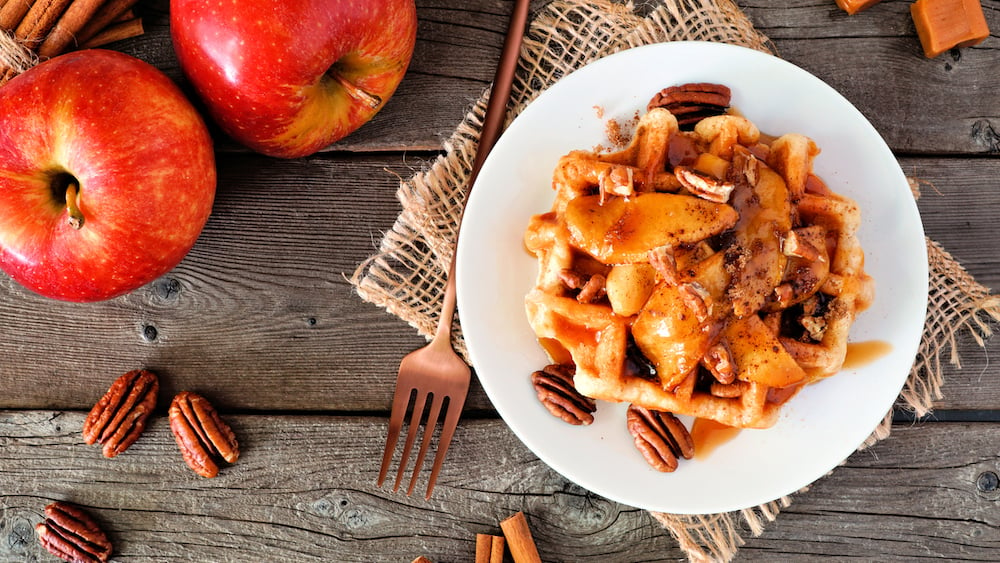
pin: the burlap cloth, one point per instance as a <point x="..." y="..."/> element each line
<point x="406" y="277"/>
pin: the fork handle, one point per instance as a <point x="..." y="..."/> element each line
<point x="496" y="107"/>
<point x="493" y="121"/>
<point x="443" y="333"/>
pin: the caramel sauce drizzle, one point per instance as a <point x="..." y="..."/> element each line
<point x="708" y="434"/>
<point x="860" y="354"/>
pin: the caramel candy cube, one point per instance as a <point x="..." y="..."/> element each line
<point x="854" y="6"/>
<point x="945" y="24"/>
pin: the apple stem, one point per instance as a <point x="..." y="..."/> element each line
<point x="357" y="93"/>
<point x="75" y="215"/>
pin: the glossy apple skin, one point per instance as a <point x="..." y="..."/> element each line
<point x="143" y="160"/>
<point x="261" y="66"/>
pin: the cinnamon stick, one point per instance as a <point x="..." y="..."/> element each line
<point x="116" y="32"/>
<point x="489" y="549"/>
<point x="522" y="545"/>
<point x="40" y="19"/>
<point x="484" y="544"/>
<point x="125" y="16"/>
<point x="13" y="12"/>
<point x="65" y="31"/>
<point x="107" y="14"/>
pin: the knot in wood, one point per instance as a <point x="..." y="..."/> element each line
<point x="987" y="482"/>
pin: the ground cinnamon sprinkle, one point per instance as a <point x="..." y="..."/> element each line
<point x="620" y="133"/>
<point x="613" y="130"/>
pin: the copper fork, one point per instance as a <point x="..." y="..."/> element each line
<point x="435" y="373"/>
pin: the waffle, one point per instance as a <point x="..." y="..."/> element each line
<point x="707" y="273"/>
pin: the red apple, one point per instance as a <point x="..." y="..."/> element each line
<point x="288" y="78"/>
<point x="107" y="176"/>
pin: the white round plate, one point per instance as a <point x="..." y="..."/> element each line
<point x="826" y="421"/>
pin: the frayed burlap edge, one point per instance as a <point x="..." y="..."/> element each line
<point x="15" y="58"/>
<point x="956" y="305"/>
<point x="407" y="275"/>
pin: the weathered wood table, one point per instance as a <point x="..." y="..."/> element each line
<point x="260" y="317"/>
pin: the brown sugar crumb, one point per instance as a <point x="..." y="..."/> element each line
<point x="618" y="134"/>
<point x="632" y="123"/>
<point x="599" y="110"/>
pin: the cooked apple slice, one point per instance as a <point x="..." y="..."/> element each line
<point x="712" y="165"/>
<point x="754" y="260"/>
<point x="624" y="230"/>
<point x="672" y="333"/>
<point x="807" y="270"/>
<point x="759" y="355"/>
<point x="628" y="287"/>
<point x="711" y="275"/>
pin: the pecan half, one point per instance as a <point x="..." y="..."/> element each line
<point x="555" y="389"/>
<point x="591" y="288"/>
<point x="571" y="278"/>
<point x="719" y="362"/>
<point x="690" y="103"/>
<point x="697" y="299"/>
<point x="617" y="180"/>
<point x="815" y="327"/>
<point x="728" y="390"/>
<point x="594" y="289"/>
<point x="703" y="185"/>
<point x="201" y="435"/>
<point x="120" y="415"/>
<point x="662" y="259"/>
<point x="71" y="534"/>
<point x="660" y="437"/>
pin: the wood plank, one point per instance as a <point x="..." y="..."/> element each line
<point x="914" y="496"/>
<point x="958" y="213"/>
<point x="304" y="490"/>
<point x="946" y="105"/>
<point x="958" y="210"/>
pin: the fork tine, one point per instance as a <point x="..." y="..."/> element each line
<point x="399" y="403"/>
<point x="411" y="436"/>
<point x="428" y="432"/>
<point x="447" y="431"/>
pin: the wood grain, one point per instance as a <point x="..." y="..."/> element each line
<point x="303" y="489"/>
<point x="947" y="105"/>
